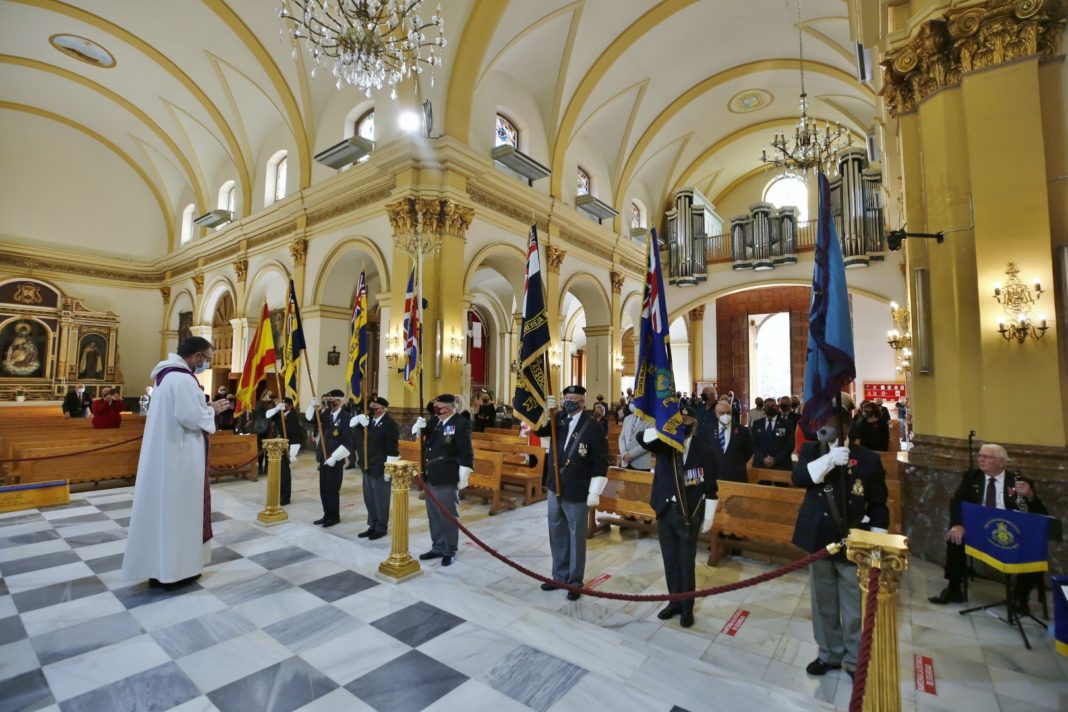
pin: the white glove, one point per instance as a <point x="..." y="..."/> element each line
<point x="878" y="530"/>
<point x="273" y="411"/>
<point x="550" y="402"/>
<point x="340" y="454"/>
<point x="465" y="475"/>
<point x="309" y="414"/>
<point x="419" y="424"/>
<point x="821" y="466"/>
<point x="710" y="513"/>
<point x="293" y="450"/>
<point x="597" y="485"/>
<point x="649" y="435"/>
<point x="360" y="419"/>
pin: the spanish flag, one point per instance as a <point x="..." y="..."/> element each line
<point x="260" y="356"/>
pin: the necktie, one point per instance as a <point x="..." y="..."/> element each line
<point x="723" y="438"/>
<point x="991" y="499"/>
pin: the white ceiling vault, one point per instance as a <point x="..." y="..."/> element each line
<point x="205" y="91"/>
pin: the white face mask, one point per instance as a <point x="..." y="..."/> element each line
<point x="725" y="418"/>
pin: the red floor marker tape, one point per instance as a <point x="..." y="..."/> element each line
<point x="598" y="581"/>
<point x="735" y="622"/>
<point x="925" y="674"/>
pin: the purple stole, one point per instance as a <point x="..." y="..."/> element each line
<point x="207" y="534"/>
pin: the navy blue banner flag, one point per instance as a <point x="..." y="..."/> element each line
<point x="1060" y="613"/>
<point x="654" y="383"/>
<point x="830" y="366"/>
<point x="1010" y="541"/>
<point x="532" y="381"/>
<point x="357" y="368"/>
<point x="411" y="331"/>
<point x="294" y="344"/>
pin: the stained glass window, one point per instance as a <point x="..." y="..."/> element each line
<point x="582" y="182"/>
<point x="507" y="133"/>
<point x="789" y="190"/>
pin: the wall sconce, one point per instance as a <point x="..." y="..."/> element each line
<point x="515" y="366"/>
<point x="900" y="337"/>
<point x="904" y="361"/>
<point x="454" y="351"/>
<point x="617" y="363"/>
<point x="394" y="351"/>
<point x="1016" y="298"/>
<point x="333" y="356"/>
<point x="554" y="356"/>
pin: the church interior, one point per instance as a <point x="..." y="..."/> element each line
<point x="173" y="169"/>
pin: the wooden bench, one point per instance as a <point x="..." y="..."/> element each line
<point x="501" y="431"/>
<point x="485" y="480"/>
<point x="626" y="502"/>
<point x="765" y="516"/>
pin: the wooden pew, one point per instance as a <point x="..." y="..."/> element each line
<point x="764" y="475"/>
<point x="501" y="431"/>
<point x="764" y="515"/>
<point x="485" y="480"/>
<point x="626" y="502"/>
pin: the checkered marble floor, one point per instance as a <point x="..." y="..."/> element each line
<point x="293" y="617"/>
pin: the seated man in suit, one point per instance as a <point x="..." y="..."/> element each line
<point x="773" y="439"/>
<point x="731" y="445"/>
<point x="845" y="489"/>
<point x="991" y="485"/>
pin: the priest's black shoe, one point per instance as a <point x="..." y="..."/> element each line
<point x="818" y="667"/>
<point x="375" y="535"/>
<point x="321" y="520"/>
<point x="687" y="620"/>
<point x="948" y="595"/>
<point x="181" y="583"/>
<point x="447" y="560"/>
<point x="364" y="535"/>
<point x="668" y="612"/>
<point x="430" y="555"/>
<point x="331" y="522"/>
<point x="573" y="595"/>
<point x="549" y="587"/>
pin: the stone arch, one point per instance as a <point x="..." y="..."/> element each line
<point x="271" y="282"/>
<point x="212" y="295"/>
<point x="592" y="295"/>
<point x="503" y="258"/>
<point x="350" y="250"/>
<point x="182" y="301"/>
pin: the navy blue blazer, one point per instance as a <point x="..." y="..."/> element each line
<point x="448" y="446"/>
<point x="669" y="474"/>
<point x="777" y="442"/>
<point x="581" y="460"/>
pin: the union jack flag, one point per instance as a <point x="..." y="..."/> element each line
<point x="411" y="331"/>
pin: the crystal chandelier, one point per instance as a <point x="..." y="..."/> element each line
<point x="809" y="149"/>
<point x="372" y="43"/>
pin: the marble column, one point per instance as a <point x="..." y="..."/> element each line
<point x="697" y="341"/>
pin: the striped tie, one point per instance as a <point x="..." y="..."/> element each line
<point x="723" y="438"/>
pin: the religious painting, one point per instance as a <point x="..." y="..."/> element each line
<point x="185" y="325"/>
<point x="278" y="328"/>
<point x="24" y="349"/>
<point x="92" y="356"/>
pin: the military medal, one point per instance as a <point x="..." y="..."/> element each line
<point x="582" y="450"/>
<point x="858" y="488"/>
<point x="694" y="476"/>
<point x="336" y="432"/>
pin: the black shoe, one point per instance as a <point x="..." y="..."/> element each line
<point x="376" y="535"/>
<point x="687" y="620"/>
<point x="320" y="520"/>
<point x="573" y="595"/>
<point x="549" y="587"/>
<point x="818" y="667"/>
<point x="283" y="503"/>
<point x="948" y="595"/>
<point x="430" y="555"/>
<point x="179" y="584"/>
<point x="447" y="560"/>
<point x="331" y="522"/>
<point x="669" y="612"/>
<point x="364" y="535"/>
<point x="154" y="583"/>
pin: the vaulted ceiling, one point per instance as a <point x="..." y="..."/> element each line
<point x="639" y="92"/>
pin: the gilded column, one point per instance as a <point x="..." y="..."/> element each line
<point x="241" y="274"/>
<point x="697" y="348"/>
<point x="616" y="315"/>
<point x="298" y="250"/>
<point x="554" y="258"/>
<point x="400" y="565"/>
<point x="164" y="334"/>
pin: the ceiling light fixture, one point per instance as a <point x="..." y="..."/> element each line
<point x="373" y="43"/>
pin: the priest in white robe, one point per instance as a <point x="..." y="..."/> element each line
<point x="170" y="527"/>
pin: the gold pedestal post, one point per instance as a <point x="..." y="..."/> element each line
<point x="890" y="554"/>
<point x="400" y="565"/>
<point x="272" y="513"/>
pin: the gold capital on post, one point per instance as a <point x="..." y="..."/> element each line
<point x="272" y="513"/>
<point x="890" y="554"/>
<point x="400" y="565"/>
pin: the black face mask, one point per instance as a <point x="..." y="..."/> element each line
<point x="571" y="406"/>
<point x="771" y="412"/>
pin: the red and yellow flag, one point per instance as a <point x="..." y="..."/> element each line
<point x="260" y="356"/>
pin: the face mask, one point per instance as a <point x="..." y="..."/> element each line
<point x="375" y="413"/>
<point x="826" y="434"/>
<point x="771" y="412"/>
<point x="571" y="406"/>
<point x="441" y="412"/>
<point x="201" y="367"/>
<point x="725" y="418"/>
<point x="630" y="407"/>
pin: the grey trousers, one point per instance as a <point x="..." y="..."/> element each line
<point x="567" y="539"/>
<point x="376" y="493"/>
<point x="443" y="533"/>
<point x="836" y="611"/>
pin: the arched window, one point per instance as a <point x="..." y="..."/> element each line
<point x="228" y="199"/>
<point x="275" y="180"/>
<point x="788" y="190"/>
<point x="365" y="128"/>
<point x="187" y="222"/>
<point x="507" y="133"/>
<point x="582" y="182"/>
<point x="637" y="219"/>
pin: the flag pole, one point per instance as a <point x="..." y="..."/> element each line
<point x="552" y="390"/>
<point x="280" y="375"/>
<point x="318" y="415"/>
<point x="417" y="294"/>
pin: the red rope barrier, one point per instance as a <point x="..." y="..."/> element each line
<point x="689" y="595"/>
<point x="71" y="454"/>
<point x="860" y="675"/>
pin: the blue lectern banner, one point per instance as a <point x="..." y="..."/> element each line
<point x="1010" y="541"/>
<point x="1060" y="613"/>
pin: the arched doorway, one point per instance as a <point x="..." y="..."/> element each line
<point x="222" y="341"/>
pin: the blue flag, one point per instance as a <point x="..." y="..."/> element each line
<point x="294" y="344"/>
<point x="829" y="366"/>
<point x="1060" y="613"/>
<point x="1010" y="541"/>
<point x="532" y="381"/>
<point x="654" y="383"/>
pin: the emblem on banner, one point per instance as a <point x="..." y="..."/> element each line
<point x="858" y="488"/>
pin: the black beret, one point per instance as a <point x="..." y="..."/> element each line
<point x="381" y="401"/>
<point x="445" y="398"/>
<point x="577" y="390"/>
<point x="686" y="410"/>
<point x="336" y="393"/>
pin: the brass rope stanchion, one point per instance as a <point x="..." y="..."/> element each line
<point x="272" y="513"/>
<point x="890" y="554"/>
<point x="400" y="565"/>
